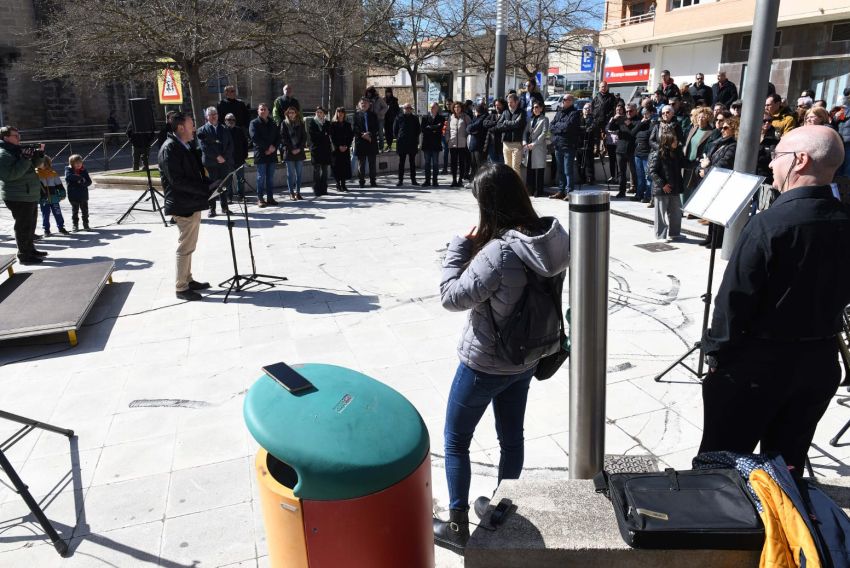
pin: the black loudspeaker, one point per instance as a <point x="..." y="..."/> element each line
<point x="141" y="116"/>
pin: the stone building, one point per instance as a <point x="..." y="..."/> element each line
<point x="56" y="109"/>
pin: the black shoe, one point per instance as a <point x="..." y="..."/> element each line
<point x="36" y="237"/>
<point x="362" y="184"/>
<point x="39" y="253"/>
<point x="481" y="506"/>
<point x="76" y="228"/>
<point x="620" y="195"/>
<point x="373" y="184"/>
<point x="47" y="232"/>
<point x="559" y="195"/>
<point x="86" y="227"/>
<point x="261" y="203"/>
<point x="193" y="285"/>
<point x="211" y="214"/>
<point x="189" y="296"/>
<point x="414" y="182"/>
<point x="30" y="259"/>
<point x="427" y="183"/>
<point x="399" y="183"/>
<point x="271" y="202"/>
<point x="454" y="533"/>
<point x="64" y="231"/>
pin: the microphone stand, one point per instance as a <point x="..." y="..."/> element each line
<point x="238" y="281"/>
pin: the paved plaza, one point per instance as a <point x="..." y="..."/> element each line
<point x="161" y="472"/>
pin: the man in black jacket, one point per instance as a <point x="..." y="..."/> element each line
<point x="566" y="138"/>
<point x="724" y="91"/>
<point x="266" y="138"/>
<point x="406" y="130"/>
<point x="393" y="112"/>
<point x="216" y="152"/>
<point x="366" y="141"/>
<point x="701" y="92"/>
<point x="772" y="349"/>
<point x="603" y="107"/>
<point x="531" y="95"/>
<point x="432" y="143"/>
<point x="624" y="120"/>
<point x="512" y="126"/>
<point x="186" y="195"/>
<point x="240" y="153"/>
<point x="231" y="105"/>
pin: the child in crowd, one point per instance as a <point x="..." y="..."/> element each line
<point x="52" y="192"/>
<point x="78" y="181"/>
<point x="665" y="168"/>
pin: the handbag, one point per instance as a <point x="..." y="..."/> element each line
<point x="692" y="509"/>
<point x="549" y="365"/>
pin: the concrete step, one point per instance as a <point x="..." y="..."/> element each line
<point x="566" y="523"/>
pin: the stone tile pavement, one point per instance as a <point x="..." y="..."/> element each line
<point x="147" y="484"/>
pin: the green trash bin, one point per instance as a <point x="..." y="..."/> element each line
<point x="344" y="472"/>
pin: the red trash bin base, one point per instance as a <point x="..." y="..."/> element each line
<point x="388" y="529"/>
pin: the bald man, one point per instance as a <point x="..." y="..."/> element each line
<point x="772" y="349"/>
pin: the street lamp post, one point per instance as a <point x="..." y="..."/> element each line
<point x="501" y="47"/>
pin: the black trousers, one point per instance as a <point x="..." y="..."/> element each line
<point x="458" y="162"/>
<point x="612" y="160"/>
<point x="770" y="393"/>
<point x="25" y="214"/>
<point x="77" y="208"/>
<point x="320" y="179"/>
<point x="626" y="163"/>
<point x="534" y="181"/>
<point x="372" y="167"/>
<point x="411" y="158"/>
<point x="478" y="158"/>
<point x="586" y="165"/>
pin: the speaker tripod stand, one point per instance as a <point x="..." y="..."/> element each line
<point x="149" y="194"/>
<point x="28" y="426"/>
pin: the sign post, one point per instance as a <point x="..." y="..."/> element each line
<point x="588" y="57"/>
<point x="169" y="85"/>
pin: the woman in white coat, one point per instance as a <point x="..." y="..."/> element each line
<point x="534" y="143"/>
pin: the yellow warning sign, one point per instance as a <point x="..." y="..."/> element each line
<point x="169" y="87"/>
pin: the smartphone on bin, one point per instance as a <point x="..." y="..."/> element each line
<point x="287" y="377"/>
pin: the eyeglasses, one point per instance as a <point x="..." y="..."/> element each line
<point x="725" y="127"/>
<point x="766" y="121"/>
<point x="774" y="154"/>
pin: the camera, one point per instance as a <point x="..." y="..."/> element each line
<point x="32" y="151"/>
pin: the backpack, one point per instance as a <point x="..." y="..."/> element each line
<point x="534" y="329"/>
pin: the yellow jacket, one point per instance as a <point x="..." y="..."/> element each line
<point x="787" y="538"/>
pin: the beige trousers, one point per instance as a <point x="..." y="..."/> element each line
<point x="186" y="241"/>
<point x="513" y="156"/>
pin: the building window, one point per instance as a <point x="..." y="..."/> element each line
<point x="676" y="4"/>
<point x="840" y="32"/>
<point x="747" y="38"/>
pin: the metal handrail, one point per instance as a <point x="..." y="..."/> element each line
<point x="630" y="21"/>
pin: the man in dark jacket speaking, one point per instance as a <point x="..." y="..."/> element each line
<point x="186" y="195"/>
<point x="772" y="349"/>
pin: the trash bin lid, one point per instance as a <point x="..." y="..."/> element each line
<point x="351" y="436"/>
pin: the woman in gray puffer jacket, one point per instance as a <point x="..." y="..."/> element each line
<point x="488" y="266"/>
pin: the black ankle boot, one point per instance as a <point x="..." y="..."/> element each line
<point x="454" y="533"/>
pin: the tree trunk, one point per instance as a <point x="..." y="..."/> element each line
<point x="195" y="92"/>
<point x="487" y="76"/>
<point x="333" y="98"/>
<point x="414" y="84"/>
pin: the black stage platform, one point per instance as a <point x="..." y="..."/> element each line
<point x="6" y="262"/>
<point x="51" y="300"/>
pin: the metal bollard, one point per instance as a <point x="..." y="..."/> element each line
<point x="590" y="218"/>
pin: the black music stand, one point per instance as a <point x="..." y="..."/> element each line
<point x="238" y="281"/>
<point x="29" y="425"/>
<point x="149" y="194"/>
<point x="720" y="197"/>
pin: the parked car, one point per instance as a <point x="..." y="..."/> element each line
<point x="552" y="102"/>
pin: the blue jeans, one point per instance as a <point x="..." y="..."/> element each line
<point x="643" y="189"/>
<point x="471" y="394"/>
<point x="265" y="180"/>
<point x="293" y="176"/>
<point x="566" y="159"/>
<point x="431" y="165"/>
<point x="46" y="210"/>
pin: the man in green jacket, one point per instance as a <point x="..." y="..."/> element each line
<point x="20" y="190"/>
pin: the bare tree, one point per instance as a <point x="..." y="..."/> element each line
<point x="415" y="32"/>
<point x="540" y="27"/>
<point x="331" y="34"/>
<point x="99" y="40"/>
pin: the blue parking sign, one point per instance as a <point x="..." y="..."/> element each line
<point x="588" y="55"/>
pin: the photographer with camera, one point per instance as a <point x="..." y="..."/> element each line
<point x="20" y="190"/>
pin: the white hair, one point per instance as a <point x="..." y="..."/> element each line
<point x="210" y="110"/>
<point x="667" y="107"/>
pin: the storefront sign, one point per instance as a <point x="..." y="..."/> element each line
<point x="627" y="73"/>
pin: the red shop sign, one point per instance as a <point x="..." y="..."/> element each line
<point x="627" y="73"/>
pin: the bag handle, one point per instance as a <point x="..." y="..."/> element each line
<point x="674" y="478"/>
<point x="600" y="482"/>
